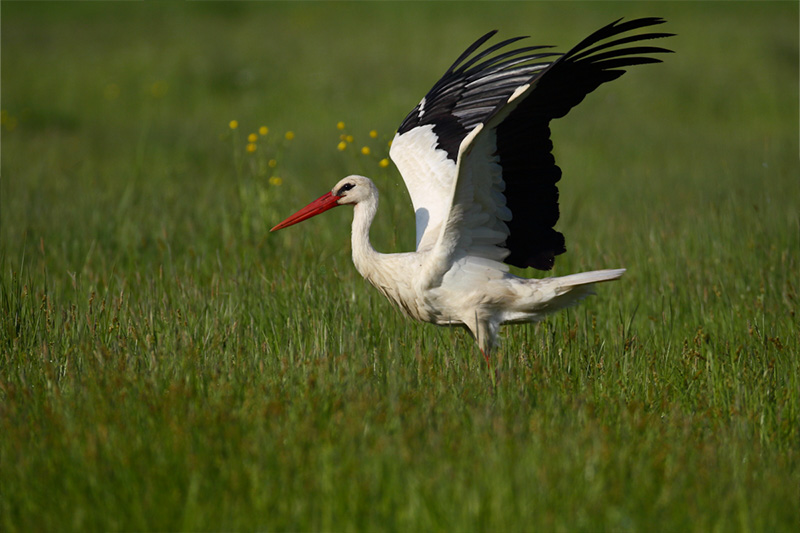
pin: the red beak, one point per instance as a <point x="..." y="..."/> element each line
<point x="320" y="205"/>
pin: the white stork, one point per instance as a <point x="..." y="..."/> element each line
<point x="476" y="157"/>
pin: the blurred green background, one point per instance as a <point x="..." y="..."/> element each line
<point x="123" y="105"/>
<point x="167" y="364"/>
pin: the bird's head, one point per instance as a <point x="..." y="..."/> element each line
<point x="350" y="190"/>
<point x="353" y="189"/>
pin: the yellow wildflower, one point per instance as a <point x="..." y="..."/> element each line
<point x="233" y="124"/>
<point x="349" y="138"/>
<point x="342" y="146"/>
<point x="275" y="180"/>
<point x="373" y="134"/>
<point x="272" y="163"/>
<point x="158" y="89"/>
<point x="383" y="163"/>
<point x="111" y="92"/>
<point x="252" y="138"/>
<point x="263" y="130"/>
<point x="365" y="150"/>
<point x="10" y="122"/>
<point x="289" y="135"/>
<point x="251" y="147"/>
<point x="340" y="125"/>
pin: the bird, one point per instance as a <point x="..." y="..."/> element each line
<point x="476" y="157"/>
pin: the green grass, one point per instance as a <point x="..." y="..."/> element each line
<point x="167" y="364"/>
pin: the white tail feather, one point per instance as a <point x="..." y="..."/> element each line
<point x="569" y="290"/>
<point x="595" y="276"/>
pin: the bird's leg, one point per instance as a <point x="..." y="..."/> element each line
<point x="492" y="371"/>
<point x="486" y="356"/>
<point x="480" y="333"/>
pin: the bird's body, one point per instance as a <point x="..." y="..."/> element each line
<point x="474" y="292"/>
<point x="475" y="156"/>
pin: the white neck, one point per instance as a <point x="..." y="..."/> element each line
<point x="364" y="255"/>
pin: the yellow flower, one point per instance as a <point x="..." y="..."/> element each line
<point x="349" y="138"/>
<point x="233" y="124"/>
<point x="289" y="135"/>
<point x="158" y="89"/>
<point x="251" y="147"/>
<point x="10" y="122"/>
<point x="365" y="150"/>
<point x="272" y="163"/>
<point x="252" y="138"/>
<point x="383" y="163"/>
<point x="373" y="134"/>
<point x="342" y="146"/>
<point x="275" y="180"/>
<point x="340" y="125"/>
<point x="111" y="92"/>
<point x="263" y="130"/>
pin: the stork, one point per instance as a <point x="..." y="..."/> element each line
<point x="475" y="155"/>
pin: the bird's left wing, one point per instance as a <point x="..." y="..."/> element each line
<point x="504" y="202"/>
<point x="426" y="146"/>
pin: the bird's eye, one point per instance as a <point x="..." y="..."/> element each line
<point x="344" y="188"/>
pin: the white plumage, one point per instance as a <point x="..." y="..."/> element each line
<point x="475" y="155"/>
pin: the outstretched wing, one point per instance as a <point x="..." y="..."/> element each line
<point x="425" y="148"/>
<point x="503" y="203"/>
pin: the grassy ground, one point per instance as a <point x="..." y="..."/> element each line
<point x="166" y="364"/>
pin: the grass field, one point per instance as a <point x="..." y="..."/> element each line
<point x="167" y="364"/>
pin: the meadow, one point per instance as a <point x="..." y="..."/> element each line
<point x="167" y="364"/>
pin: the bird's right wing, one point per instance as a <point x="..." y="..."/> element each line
<point x="504" y="202"/>
<point x="426" y="146"/>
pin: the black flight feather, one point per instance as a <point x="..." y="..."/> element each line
<point x="474" y="90"/>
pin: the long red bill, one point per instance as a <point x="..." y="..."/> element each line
<point x="320" y="205"/>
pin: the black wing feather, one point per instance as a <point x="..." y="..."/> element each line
<point x="475" y="89"/>
<point x="523" y="138"/>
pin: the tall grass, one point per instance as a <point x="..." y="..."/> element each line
<point x="166" y="364"/>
